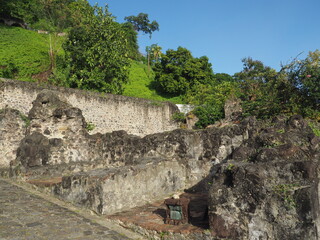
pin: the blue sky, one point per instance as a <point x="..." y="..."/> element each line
<point x="272" y="31"/>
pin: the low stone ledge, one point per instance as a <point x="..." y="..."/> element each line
<point x="108" y="191"/>
<point x="45" y="182"/>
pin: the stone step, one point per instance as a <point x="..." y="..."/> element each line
<point x="45" y="182"/>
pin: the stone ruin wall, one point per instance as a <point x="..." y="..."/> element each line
<point x="262" y="177"/>
<point x="107" y="112"/>
<point x="104" y="171"/>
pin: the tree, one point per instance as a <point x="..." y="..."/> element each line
<point x="25" y="10"/>
<point x="223" y="77"/>
<point x="132" y="42"/>
<point x="156" y="52"/>
<point x="148" y="51"/>
<point x="97" y="52"/>
<point x="153" y="54"/>
<point x="210" y="100"/>
<point x="266" y="92"/>
<point x="260" y="86"/>
<point x="52" y="15"/>
<point x="303" y="76"/>
<point x="178" y="71"/>
<point x="142" y="23"/>
<point x="253" y="76"/>
<point x="310" y="79"/>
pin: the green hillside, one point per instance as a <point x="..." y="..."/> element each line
<point x="140" y="84"/>
<point x="24" y="54"/>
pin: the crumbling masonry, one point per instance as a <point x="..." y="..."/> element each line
<point x="262" y="177"/>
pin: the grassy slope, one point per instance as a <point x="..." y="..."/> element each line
<point x="140" y="84"/>
<point x="26" y="49"/>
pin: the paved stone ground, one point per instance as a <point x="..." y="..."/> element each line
<point x="25" y="215"/>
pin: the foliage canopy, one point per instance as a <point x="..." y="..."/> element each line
<point x="178" y="71"/>
<point x="50" y="15"/>
<point x="97" y="53"/>
<point x="295" y="89"/>
<point x="142" y="23"/>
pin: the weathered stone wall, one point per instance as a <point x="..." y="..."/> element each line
<point x="57" y="135"/>
<point x="107" y="191"/>
<point x="269" y="188"/>
<point x="150" y="167"/>
<point x="263" y="177"/>
<point x="104" y="171"/>
<point x="12" y="130"/>
<point x="107" y="112"/>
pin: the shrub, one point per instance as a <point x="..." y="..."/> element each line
<point x="208" y="114"/>
<point x="178" y="117"/>
<point x="9" y="71"/>
<point x="90" y="126"/>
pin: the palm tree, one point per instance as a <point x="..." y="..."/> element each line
<point x="153" y="53"/>
<point x="156" y="50"/>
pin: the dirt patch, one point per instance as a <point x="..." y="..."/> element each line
<point x="42" y="77"/>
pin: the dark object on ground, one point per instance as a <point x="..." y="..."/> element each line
<point x="177" y="210"/>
